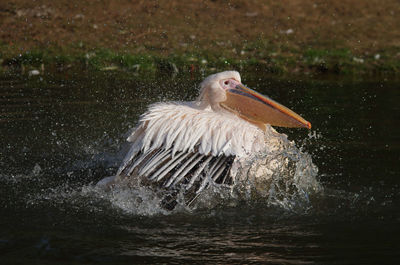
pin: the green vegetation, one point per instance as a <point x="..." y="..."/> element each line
<point x="257" y="56"/>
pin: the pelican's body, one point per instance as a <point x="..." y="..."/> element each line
<point x="183" y="147"/>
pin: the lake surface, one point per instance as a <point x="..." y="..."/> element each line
<point x="62" y="134"/>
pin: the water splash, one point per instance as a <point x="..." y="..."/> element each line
<point x="281" y="175"/>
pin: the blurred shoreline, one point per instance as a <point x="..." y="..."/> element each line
<point x="348" y="37"/>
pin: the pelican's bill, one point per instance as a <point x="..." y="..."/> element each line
<point x="260" y="109"/>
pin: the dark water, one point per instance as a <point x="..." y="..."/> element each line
<point x="62" y="134"/>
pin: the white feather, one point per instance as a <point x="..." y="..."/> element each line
<point x="188" y="168"/>
<point x="198" y="171"/>
<point x="178" y="172"/>
<point x="184" y="126"/>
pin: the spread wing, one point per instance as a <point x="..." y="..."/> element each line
<point x="187" y="172"/>
<point x="181" y="148"/>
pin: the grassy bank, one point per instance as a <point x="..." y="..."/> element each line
<point x="256" y="56"/>
<point x="349" y="37"/>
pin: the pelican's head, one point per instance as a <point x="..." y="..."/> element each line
<point x="224" y="91"/>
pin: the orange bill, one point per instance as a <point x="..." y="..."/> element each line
<point x="260" y="109"/>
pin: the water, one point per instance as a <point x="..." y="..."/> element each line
<point x="62" y="134"/>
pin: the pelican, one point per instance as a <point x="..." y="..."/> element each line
<point x="184" y="147"/>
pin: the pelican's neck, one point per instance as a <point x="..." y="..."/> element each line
<point x="201" y="104"/>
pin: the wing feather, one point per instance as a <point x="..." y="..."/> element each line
<point x="196" y="175"/>
<point x="163" y="170"/>
<point x="180" y="147"/>
<point x="181" y="156"/>
<point x="179" y="171"/>
<point x="187" y="169"/>
<point x="158" y="158"/>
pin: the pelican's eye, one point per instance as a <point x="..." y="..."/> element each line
<point x="228" y="84"/>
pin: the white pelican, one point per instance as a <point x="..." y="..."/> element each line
<point x="183" y="147"/>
